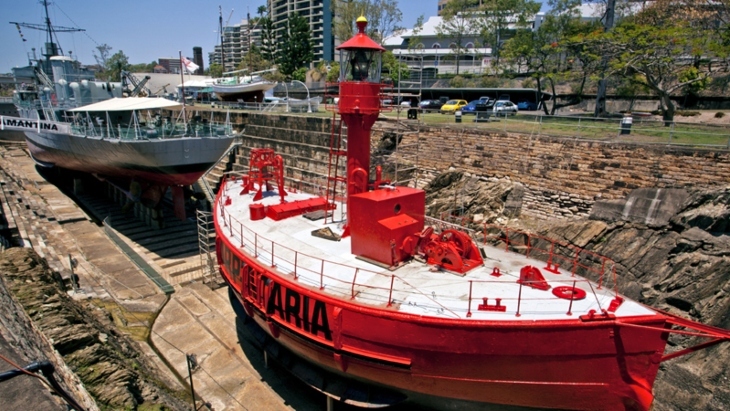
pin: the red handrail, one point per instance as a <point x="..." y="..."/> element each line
<point x="532" y="246"/>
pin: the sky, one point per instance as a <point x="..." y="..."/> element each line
<point x="144" y="30"/>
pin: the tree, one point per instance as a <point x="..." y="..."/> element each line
<point x="397" y="71"/>
<point x="496" y="17"/>
<point x="459" y="18"/>
<point x="103" y="56"/>
<point x="269" y="50"/>
<point x="665" y="58"/>
<point x="143" y="68"/>
<point x="549" y="56"/>
<point x="659" y="49"/>
<point x="415" y="40"/>
<point x="114" y="66"/>
<point x="215" y="70"/>
<point x="296" y="41"/>
<point x="253" y="60"/>
<point x="383" y="18"/>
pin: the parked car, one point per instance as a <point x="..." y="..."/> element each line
<point x="487" y="100"/>
<point x="428" y="106"/>
<point x="452" y="105"/>
<point x="504" y="107"/>
<point x="474" y="106"/>
<point x="527" y="105"/>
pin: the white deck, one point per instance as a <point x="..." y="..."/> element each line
<point x="417" y="287"/>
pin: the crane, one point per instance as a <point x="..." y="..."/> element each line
<point x="163" y="88"/>
<point x="138" y="86"/>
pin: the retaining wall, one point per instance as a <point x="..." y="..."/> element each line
<point x="562" y="176"/>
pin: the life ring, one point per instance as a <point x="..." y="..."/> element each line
<point x="569" y="293"/>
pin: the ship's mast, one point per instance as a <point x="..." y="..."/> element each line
<point x="220" y="31"/>
<point x="53" y="48"/>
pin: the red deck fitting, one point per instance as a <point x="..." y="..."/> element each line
<point x="294" y="208"/>
<point x="532" y="277"/>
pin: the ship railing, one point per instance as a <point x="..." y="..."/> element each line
<point x="378" y="287"/>
<point x="557" y="255"/>
<point x="145" y="132"/>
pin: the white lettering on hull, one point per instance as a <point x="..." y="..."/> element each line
<point x="25" y="124"/>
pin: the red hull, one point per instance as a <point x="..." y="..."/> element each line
<point x="561" y="364"/>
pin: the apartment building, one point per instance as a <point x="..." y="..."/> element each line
<point x="236" y="41"/>
<point x="319" y="15"/>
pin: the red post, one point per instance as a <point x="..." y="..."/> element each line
<point x="296" y="256"/>
<point x="570" y="307"/>
<point x="354" y="280"/>
<point x="390" y="295"/>
<point x="468" y="312"/>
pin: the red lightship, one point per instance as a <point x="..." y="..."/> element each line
<point x="393" y="299"/>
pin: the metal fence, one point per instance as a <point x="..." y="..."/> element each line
<point x="627" y="129"/>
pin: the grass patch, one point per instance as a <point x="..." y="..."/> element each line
<point x="136" y="324"/>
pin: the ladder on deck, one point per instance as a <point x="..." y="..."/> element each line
<point x="336" y="182"/>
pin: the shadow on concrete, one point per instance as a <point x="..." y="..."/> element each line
<point x="176" y="239"/>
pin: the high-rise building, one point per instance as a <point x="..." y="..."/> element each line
<point x="198" y="59"/>
<point x="236" y="42"/>
<point x="319" y="15"/>
<point x="236" y="38"/>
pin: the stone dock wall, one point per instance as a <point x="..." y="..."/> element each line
<point x="562" y="177"/>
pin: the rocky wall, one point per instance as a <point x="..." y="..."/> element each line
<point x="22" y="336"/>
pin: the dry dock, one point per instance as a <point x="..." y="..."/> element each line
<point x="196" y="319"/>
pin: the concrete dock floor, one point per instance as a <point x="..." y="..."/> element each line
<point x="198" y="320"/>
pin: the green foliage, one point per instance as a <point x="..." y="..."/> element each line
<point x="215" y="70"/>
<point x="300" y="74"/>
<point x="114" y="66"/>
<point x="499" y="19"/>
<point x="269" y="49"/>
<point x="296" y="49"/>
<point x="457" y="25"/>
<point x="695" y="80"/>
<point x="457" y="82"/>
<point x="101" y="55"/>
<point x="334" y="72"/>
<point x="383" y="18"/>
<point x="143" y="68"/>
<point x="396" y="71"/>
<point x="658" y="55"/>
<point x="254" y="61"/>
<point x="415" y="39"/>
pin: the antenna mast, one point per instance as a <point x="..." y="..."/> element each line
<point x="52" y="47"/>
